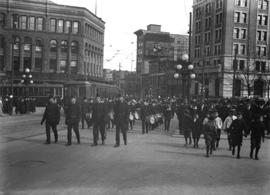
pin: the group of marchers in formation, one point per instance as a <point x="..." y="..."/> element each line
<point x="208" y="118"/>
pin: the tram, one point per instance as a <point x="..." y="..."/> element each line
<point x="80" y="89"/>
<point x="90" y="89"/>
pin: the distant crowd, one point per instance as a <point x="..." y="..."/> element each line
<point x="22" y="105"/>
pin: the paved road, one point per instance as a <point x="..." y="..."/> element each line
<point x="156" y="163"/>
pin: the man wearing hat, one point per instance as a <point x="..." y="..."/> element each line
<point x="52" y="117"/>
<point x="98" y="119"/>
<point x="226" y="126"/>
<point x="256" y="129"/>
<point x="210" y="133"/>
<point x="73" y="113"/>
<point x="121" y="116"/>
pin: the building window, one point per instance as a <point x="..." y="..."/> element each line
<point x="238" y="2"/>
<point x="235" y="49"/>
<point x="60" y="26"/>
<point x="198" y="13"/>
<point x="208" y="23"/>
<point x="242" y="65"/>
<point x="219" y="4"/>
<point x="52" y="25"/>
<point x="75" y="28"/>
<point x="208" y="8"/>
<point x="15" y="21"/>
<point x="244" y="18"/>
<point x="53" y="65"/>
<point x="236" y="17"/>
<point x="2" y="62"/>
<point x="73" y="67"/>
<point x="23" y="22"/>
<point x="261" y="35"/>
<point x="38" y="48"/>
<point x="2" y="42"/>
<point x="16" y="45"/>
<point x="53" y="46"/>
<point x="260" y="66"/>
<point x="74" y="47"/>
<point x="27" y="44"/>
<point x="32" y="23"/>
<point x="219" y="18"/>
<point x="236" y="33"/>
<point x="67" y="26"/>
<point x="39" y="24"/>
<point x="64" y="46"/>
<point x="63" y="65"/>
<point x="243" y="33"/>
<point x="261" y="51"/>
<point x="263" y="4"/>
<point x="2" y="19"/>
<point x="218" y="33"/>
<point x="243" y="49"/>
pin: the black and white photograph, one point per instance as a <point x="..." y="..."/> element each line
<point x="134" y="97"/>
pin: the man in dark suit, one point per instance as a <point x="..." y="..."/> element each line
<point x="72" y="120"/>
<point x="121" y="117"/>
<point x="98" y="119"/>
<point x="145" y="112"/>
<point x="52" y="117"/>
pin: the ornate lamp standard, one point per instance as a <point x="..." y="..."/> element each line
<point x="26" y="79"/>
<point x="186" y="72"/>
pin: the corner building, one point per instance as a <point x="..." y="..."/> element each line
<point x="157" y="54"/>
<point x="230" y="47"/>
<point x="58" y="43"/>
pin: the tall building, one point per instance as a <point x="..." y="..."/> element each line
<point x="157" y="54"/>
<point x="230" y="47"/>
<point x="58" y="43"/>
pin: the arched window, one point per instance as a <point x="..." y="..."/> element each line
<point x="53" y="45"/>
<point x="74" y="47"/>
<point x="64" y="46"/>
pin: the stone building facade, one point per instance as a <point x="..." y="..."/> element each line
<point x="157" y="54"/>
<point x="230" y="49"/>
<point x="58" y="43"/>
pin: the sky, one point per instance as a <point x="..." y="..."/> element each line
<point x="124" y="17"/>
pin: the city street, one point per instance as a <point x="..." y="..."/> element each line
<point x="154" y="163"/>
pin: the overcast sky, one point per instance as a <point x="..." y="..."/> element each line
<point x="124" y="17"/>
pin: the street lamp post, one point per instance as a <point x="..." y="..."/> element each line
<point x="26" y="79"/>
<point x="234" y="72"/>
<point x="186" y="71"/>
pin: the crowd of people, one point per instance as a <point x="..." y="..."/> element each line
<point x="22" y="105"/>
<point x="197" y="118"/>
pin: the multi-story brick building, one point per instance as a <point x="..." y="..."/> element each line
<point x="58" y="43"/>
<point x="230" y="47"/>
<point x="157" y="54"/>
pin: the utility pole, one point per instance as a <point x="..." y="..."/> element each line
<point x="12" y="65"/>
<point x="234" y="70"/>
